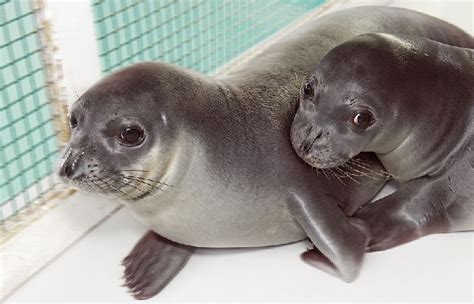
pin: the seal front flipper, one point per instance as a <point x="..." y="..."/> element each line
<point x="421" y="207"/>
<point x="339" y="241"/>
<point x="152" y="264"/>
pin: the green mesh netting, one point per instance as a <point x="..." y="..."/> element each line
<point x="199" y="34"/>
<point x="28" y="145"/>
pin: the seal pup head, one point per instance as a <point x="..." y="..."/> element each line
<point x="344" y="105"/>
<point x="126" y="132"/>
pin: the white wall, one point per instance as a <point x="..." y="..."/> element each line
<point x="74" y="32"/>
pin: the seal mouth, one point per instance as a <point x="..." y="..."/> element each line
<point x="323" y="162"/>
<point x="314" y="153"/>
<point x="96" y="184"/>
<point x="313" y="146"/>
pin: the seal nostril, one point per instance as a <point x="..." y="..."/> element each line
<point x="67" y="167"/>
<point x="66" y="170"/>
<point x="319" y="135"/>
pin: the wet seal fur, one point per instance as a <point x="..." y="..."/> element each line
<point x="411" y="101"/>
<point x="207" y="162"/>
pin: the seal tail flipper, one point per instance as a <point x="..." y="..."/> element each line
<point x="340" y="242"/>
<point x="152" y="264"/>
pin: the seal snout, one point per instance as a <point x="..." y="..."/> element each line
<point x="69" y="166"/>
<point x="313" y="144"/>
<point x="75" y="167"/>
<point x="309" y="142"/>
<point x="305" y="137"/>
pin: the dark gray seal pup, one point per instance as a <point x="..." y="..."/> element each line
<point x="411" y="101"/>
<point x="207" y="162"/>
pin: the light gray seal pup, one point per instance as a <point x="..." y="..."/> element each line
<point x="208" y="162"/>
<point x="411" y="101"/>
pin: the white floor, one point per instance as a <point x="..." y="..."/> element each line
<point x="435" y="268"/>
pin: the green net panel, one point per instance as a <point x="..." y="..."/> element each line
<point x="198" y="34"/>
<point x="28" y="145"/>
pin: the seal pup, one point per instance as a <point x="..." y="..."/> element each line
<point x="207" y="162"/>
<point x="411" y="101"/>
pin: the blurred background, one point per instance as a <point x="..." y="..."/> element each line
<point x="51" y="51"/>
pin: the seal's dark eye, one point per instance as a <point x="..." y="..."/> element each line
<point x="131" y="136"/>
<point x="363" y="119"/>
<point x="308" y="90"/>
<point x="73" y="122"/>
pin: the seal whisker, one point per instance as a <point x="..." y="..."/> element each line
<point x="350" y="177"/>
<point x="89" y="185"/>
<point x="154" y="181"/>
<point x="316" y="170"/>
<point x="347" y="169"/>
<point x="143" y="192"/>
<point x="328" y="171"/>
<point x="358" y="169"/>
<point x="141" y="181"/>
<point x="99" y="189"/>
<point x="339" y="177"/>
<point x="98" y="185"/>
<point x="345" y="173"/>
<point x="93" y="187"/>
<point x="115" y="188"/>
<point x="373" y="174"/>
<point x="331" y="172"/>
<point x="144" y="171"/>
<point x="325" y="174"/>
<point x="353" y="171"/>
<point x="103" y="181"/>
<point x="129" y="184"/>
<point x="365" y="166"/>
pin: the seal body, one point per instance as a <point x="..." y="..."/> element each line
<point x="411" y="101"/>
<point x="207" y="162"/>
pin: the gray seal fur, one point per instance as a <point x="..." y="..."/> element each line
<point x="214" y="166"/>
<point x="417" y="97"/>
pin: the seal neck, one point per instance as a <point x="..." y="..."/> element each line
<point x="435" y="112"/>
<point x="428" y="147"/>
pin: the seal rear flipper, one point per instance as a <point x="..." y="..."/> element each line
<point x="152" y="264"/>
<point x="339" y="241"/>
